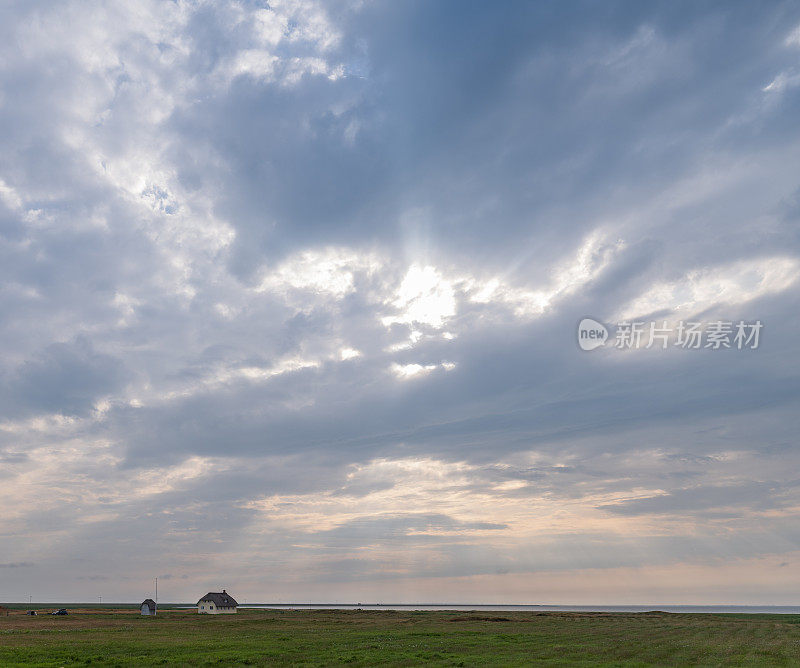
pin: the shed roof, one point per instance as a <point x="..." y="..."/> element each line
<point x="221" y="599"/>
<point x="149" y="602"/>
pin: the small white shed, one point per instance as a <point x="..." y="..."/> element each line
<point x="148" y="607"/>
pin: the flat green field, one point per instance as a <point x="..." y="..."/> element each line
<point x="368" y="638"/>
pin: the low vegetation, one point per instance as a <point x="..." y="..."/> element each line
<point x="399" y="638"/>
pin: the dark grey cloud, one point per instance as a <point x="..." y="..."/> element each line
<point x="65" y="378"/>
<point x="705" y="499"/>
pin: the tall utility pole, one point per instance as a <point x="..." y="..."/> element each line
<point x="156" y="610"/>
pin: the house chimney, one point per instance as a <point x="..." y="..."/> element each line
<point x="224" y="592"/>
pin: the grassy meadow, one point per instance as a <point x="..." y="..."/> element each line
<point x="119" y="636"/>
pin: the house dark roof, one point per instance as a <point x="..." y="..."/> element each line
<point x="221" y="599"/>
<point x="149" y="602"/>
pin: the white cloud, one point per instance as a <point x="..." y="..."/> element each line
<point x="589" y="261"/>
<point x="730" y="284"/>
<point x="782" y="82"/>
<point x="793" y="38"/>
<point x="254" y="62"/>
<point x="405" y="371"/>
<point x="9" y="196"/>
<point x="328" y="271"/>
<point x="424" y="297"/>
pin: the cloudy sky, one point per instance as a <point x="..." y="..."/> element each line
<point x="289" y="295"/>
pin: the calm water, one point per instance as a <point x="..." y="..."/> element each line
<point x="752" y="609"/>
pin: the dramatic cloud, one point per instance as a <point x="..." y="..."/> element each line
<point x="289" y="290"/>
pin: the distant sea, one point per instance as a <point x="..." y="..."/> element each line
<point x="747" y="609"/>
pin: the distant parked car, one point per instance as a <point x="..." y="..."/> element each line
<point x="60" y="611"/>
<point x="31" y="612"/>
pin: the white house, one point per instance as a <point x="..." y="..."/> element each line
<point x="148" y="607"/>
<point x="217" y="603"/>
